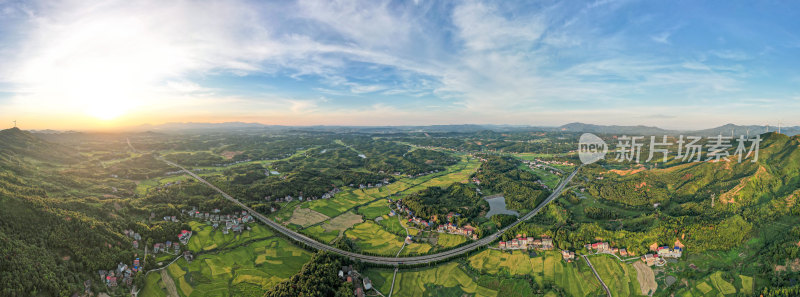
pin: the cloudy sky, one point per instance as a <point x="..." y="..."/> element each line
<point x="675" y="64"/>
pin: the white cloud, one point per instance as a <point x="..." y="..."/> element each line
<point x="662" y="37"/>
<point x="480" y="58"/>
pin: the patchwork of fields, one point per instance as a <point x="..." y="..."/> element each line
<point x="230" y="264"/>
<point x="443" y="280"/>
<point x="717" y="284"/>
<point x="575" y="278"/>
<point x="205" y="238"/>
<point x="372" y="238"/>
<point x="238" y="272"/>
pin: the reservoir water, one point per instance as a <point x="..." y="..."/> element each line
<point x="497" y="205"/>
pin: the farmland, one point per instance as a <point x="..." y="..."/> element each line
<point x="575" y="278"/>
<point x="443" y="280"/>
<point x="238" y="271"/>
<point x="371" y="238"/>
<point x="719" y="283"/>
<point x="620" y="278"/>
<point x="205" y="238"/>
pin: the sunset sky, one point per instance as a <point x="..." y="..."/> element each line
<point x="674" y="64"/>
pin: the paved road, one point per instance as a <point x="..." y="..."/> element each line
<point x="608" y="292"/>
<point x="379" y="259"/>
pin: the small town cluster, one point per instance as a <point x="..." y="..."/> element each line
<point x="300" y="197"/>
<point x="661" y="253"/>
<point x="449" y="227"/>
<point x="657" y="257"/>
<point x="360" y="284"/>
<point x="525" y="242"/>
<point x="235" y="222"/>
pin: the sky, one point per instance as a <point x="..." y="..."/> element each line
<point x="674" y="64"/>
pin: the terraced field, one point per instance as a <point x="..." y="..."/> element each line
<point x="341" y="203"/>
<point x="153" y="287"/>
<point x="443" y="280"/>
<point x="620" y="278"/>
<point x="331" y="229"/>
<point x="251" y="268"/>
<point x="205" y="238"/>
<point x="575" y="278"/>
<point x="374" y="209"/>
<point x="717" y="285"/>
<point x="320" y="234"/>
<point x="393" y="225"/>
<point x="371" y="238"/>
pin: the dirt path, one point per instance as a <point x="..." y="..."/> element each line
<point x="646" y="277"/>
<point x="608" y="292"/>
<point x="171" y="289"/>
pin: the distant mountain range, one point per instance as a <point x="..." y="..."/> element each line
<point x="727" y="129"/>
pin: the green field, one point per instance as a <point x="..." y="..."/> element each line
<point x="450" y="240"/>
<point x="575" y="278"/>
<point x="371" y="238"/>
<point x="205" y="238"/>
<point x="320" y="234"/>
<point x="153" y="287"/>
<point x="443" y="280"/>
<point x="341" y="202"/>
<point x="374" y="209"/>
<point x="716" y="284"/>
<point x="620" y="278"/>
<point x="393" y="225"/>
<point x="235" y="272"/>
<point x="142" y="187"/>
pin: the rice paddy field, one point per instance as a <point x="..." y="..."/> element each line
<point x="371" y="238"/>
<point x="374" y="209"/>
<point x="450" y="240"/>
<point x="443" y="280"/>
<point x="240" y="271"/>
<point x="341" y="202"/>
<point x="330" y="230"/>
<point x="716" y="284"/>
<point x="205" y="238"/>
<point x="154" y="287"/>
<point x="142" y="187"/>
<point x="393" y="225"/>
<point x="619" y="277"/>
<point x="320" y="234"/>
<point x="305" y="217"/>
<point x="575" y="278"/>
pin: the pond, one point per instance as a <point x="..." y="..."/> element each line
<point x="497" y="205"/>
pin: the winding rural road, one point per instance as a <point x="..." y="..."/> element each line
<point x="379" y="259"/>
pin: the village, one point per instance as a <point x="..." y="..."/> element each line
<point x="361" y="284"/>
<point x="467" y="230"/>
<point x="656" y="258"/>
<point x="124" y="274"/>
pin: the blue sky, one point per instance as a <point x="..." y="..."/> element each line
<point x="675" y="64"/>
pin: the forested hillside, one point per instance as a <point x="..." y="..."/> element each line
<point x="62" y="215"/>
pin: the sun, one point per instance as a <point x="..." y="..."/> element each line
<point x="103" y="93"/>
<point x="106" y="111"/>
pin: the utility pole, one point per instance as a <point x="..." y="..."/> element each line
<point x="15" y="123"/>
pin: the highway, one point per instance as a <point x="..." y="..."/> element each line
<point x="380" y="259"/>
